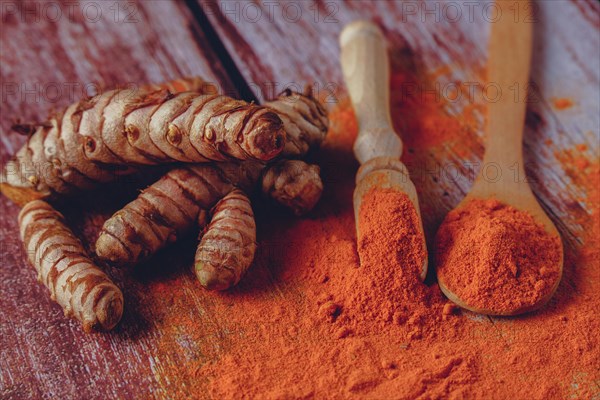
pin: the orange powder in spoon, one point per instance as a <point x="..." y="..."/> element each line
<point x="497" y="258"/>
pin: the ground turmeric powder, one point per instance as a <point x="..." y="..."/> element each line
<point x="391" y="246"/>
<point x="497" y="258"/>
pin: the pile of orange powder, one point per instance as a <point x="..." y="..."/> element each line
<point x="497" y="258"/>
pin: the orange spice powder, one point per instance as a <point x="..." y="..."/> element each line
<point x="431" y="126"/>
<point x="430" y="115"/>
<point x="392" y="252"/>
<point x="343" y="328"/>
<point x="562" y="103"/>
<point x="310" y="321"/>
<point x="497" y="258"/>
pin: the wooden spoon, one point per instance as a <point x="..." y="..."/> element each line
<point x="502" y="176"/>
<point x="378" y="148"/>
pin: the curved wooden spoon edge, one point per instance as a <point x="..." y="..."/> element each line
<point x="522" y="310"/>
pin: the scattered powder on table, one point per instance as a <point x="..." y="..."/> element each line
<point x="342" y="328"/>
<point x="497" y="258"/>
<point x="562" y="103"/>
<point x="421" y="116"/>
<point x="440" y="136"/>
<point x="429" y="111"/>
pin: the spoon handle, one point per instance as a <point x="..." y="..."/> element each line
<point x="508" y="76"/>
<point x="367" y="74"/>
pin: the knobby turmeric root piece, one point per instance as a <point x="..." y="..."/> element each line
<point x="169" y="208"/>
<point x="154" y="219"/>
<point x="294" y="184"/>
<point x="305" y="120"/>
<point x="119" y="131"/>
<point x="81" y="288"/>
<point x="227" y="248"/>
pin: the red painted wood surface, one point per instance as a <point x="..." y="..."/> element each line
<point x="49" y="60"/>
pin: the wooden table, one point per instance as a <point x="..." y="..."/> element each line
<point x="53" y="53"/>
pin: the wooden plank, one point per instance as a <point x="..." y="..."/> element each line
<point x="51" y="55"/>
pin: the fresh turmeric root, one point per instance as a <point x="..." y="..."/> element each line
<point x="227" y="247"/>
<point x="119" y="131"/>
<point x="305" y="121"/>
<point x="80" y="287"/>
<point x="294" y="184"/>
<point x="169" y="208"/>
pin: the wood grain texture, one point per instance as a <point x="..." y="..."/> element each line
<point x="45" y="355"/>
<point x="47" y="63"/>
